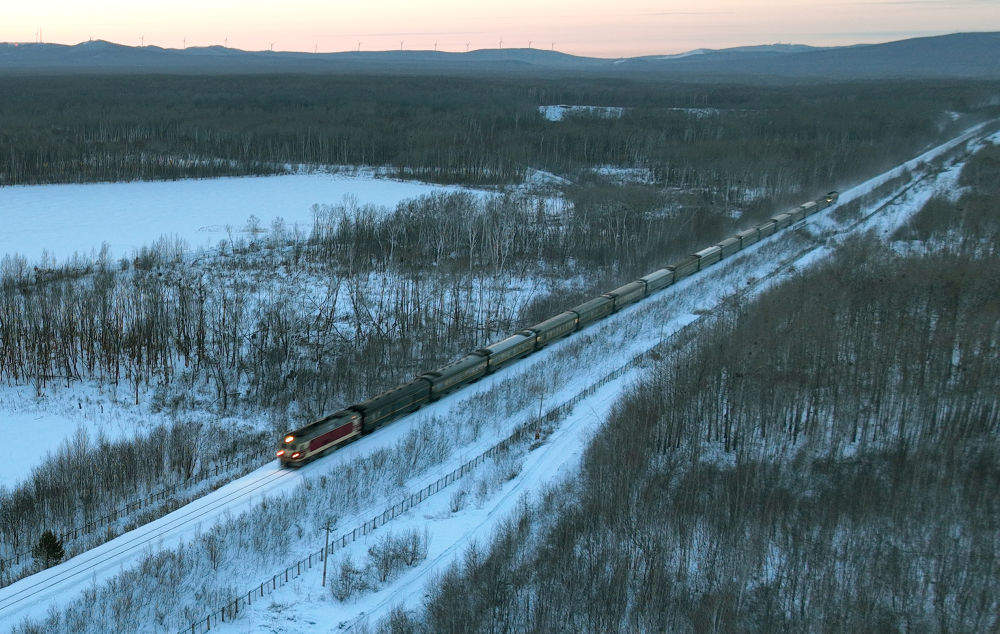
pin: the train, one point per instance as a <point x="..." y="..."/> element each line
<point x="319" y="437"/>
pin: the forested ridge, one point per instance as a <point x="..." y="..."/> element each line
<point x="824" y="457"/>
<point x="479" y="131"/>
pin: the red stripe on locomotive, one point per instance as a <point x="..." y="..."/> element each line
<point x="331" y="436"/>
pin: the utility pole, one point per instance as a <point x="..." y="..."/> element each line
<point x="326" y="552"/>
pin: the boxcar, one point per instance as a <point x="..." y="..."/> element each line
<point x="627" y="294"/>
<point x="309" y="441"/>
<point x="748" y="237"/>
<point x="592" y="310"/>
<point x="390" y="405"/>
<point x="468" y="368"/>
<point x="507" y="350"/>
<point x="730" y="246"/>
<point x="781" y="221"/>
<point x="684" y="267"/>
<point x="658" y="280"/>
<point x="708" y="256"/>
<point x="554" y="328"/>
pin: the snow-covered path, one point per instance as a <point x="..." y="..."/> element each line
<point x="647" y="324"/>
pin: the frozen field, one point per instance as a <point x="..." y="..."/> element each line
<point x="63" y="219"/>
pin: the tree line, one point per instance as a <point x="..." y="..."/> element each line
<point x="461" y="129"/>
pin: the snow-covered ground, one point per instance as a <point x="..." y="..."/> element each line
<point x="67" y="219"/>
<point x="605" y="347"/>
<point x="558" y="113"/>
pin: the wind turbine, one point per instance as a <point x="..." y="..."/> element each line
<point x="359" y="47"/>
<point x="501" y="44"/>
<point x="467" y="46"/>
<point x="529" y="43"/>
<point x="401" y="45"/>
<point x="435" y="47"/>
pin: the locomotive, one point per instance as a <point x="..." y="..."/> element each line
<point x="321" y="436"/>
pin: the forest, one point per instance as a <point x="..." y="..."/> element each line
<point x="823" y="457"/>
<point x="477" y="131"/>
<point x="366" y="298"/>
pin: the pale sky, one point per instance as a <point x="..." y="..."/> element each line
<point x="586" y="27"/>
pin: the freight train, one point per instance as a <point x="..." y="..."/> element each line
<point x="319" y="437"/>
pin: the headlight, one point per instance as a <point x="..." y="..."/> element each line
<point x="289" y="439"/>
<point x="296" y="455"/>
<point x="281" y="452"/>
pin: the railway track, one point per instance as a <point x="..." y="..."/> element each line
<point x="82" y="566"/>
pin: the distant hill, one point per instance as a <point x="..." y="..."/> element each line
<point x="961" y="55"/>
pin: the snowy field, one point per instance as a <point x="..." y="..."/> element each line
<point x="63" y="219"/>
<point x="303" y="606"/>
<point x="558" y="113"/>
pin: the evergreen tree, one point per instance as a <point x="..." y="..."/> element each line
<point x="49" y="549"/>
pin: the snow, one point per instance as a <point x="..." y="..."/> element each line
<point x="63" y="219"/>
<point x="641" y="175"/>
<point x="608" y="346"/>
<point x="558" y="113"/>
<point x="64" y="413"/>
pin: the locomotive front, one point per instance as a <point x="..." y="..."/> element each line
<point x="292" y="450"/>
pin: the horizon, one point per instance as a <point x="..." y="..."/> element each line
<point x="584" y="28"/>
<point x="471" y="50"/>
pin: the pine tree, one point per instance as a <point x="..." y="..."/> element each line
<point x="49" y="549"/>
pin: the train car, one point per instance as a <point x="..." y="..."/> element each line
<point x="627" y="294"/>
<point x="658" y="280"/>
<point x="767" y="228"/>
<point x="465" y="370"/>
<point x="507" y="351"/>
<point x="684" y="267"/>
<point x="809" y="209"/>
<point x="305" y="443"/>
<point x="730" y="246"/>
<point x="748" y="237"/>
<point x="591" y="310"/>
<point x="781" y="221"/>
<point x="553" y="328"/>
<point x="708" y="256"/>
<point x="391" y="404"/>
<point x="830" y="198"/>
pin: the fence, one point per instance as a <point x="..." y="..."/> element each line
<point x="160" y="496"/>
